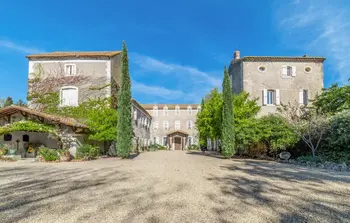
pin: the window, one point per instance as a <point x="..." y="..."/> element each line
<point x="165" y="141"/>
<point x="7" y="137"/>
<point x="177" y="125"/>
<point x="165" y="111"/>
<point x="155" y="111"/>
<point x="135" y="115"/>
<point x="189" y="124"/>
<point x="25" y="138"/>
<point x="165" y="124"/>
<point x="177" y="110"/>
<point x="271" y="97"/>
<point x="262" y="69"/>
<point x="69" y="96"/>
<point x="155" y="125"/>
<point x="307" y="69"/>
<point x="303" y="97"/>
<point x="190" y="141"/>
<point x="199" y="109"/>
<point x="288" y="71"/>
<point x="157" y="140"/>
<point x="189" y="110"/>
<point x="70" y="69"/>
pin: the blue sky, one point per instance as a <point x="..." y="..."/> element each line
<point x="178" y="49"/>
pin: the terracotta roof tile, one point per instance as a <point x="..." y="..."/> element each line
<point x="75" y="54"/>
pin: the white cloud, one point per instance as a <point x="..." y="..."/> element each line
<point x="157" y="91"/>
<point x="18" y="47"/>
<point x="321" y="27"/>
<point x="196" y="75"/>
<point x="187" y="84"/>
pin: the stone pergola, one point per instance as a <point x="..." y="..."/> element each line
<point x="177" y="140"/>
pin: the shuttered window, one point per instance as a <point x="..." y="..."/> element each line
<point x="69" y="96"/>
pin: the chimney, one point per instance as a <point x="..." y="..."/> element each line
<point x="237" y="55"/>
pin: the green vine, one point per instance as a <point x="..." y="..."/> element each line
<point x="98" y="88"/>
<point x="29" y="126"/>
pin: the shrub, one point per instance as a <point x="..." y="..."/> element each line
<point x="193" y="147"/>
<point x="257" y="150"/>
<point x="48" y="154"/>
<point x="64" y="155"/>
<point x="336" y="145"/>
<point x="304" y="159"/>
<point x="3" y="149"/>
<point x="87" y="152"/>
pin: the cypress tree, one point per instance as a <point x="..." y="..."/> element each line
<point x="227" y="118"/>
<point x="124" y="127"/>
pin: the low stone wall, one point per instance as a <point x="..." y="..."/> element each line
<point x="326" y="165"/>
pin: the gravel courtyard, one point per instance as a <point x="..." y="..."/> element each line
<point x="171" y="186"/>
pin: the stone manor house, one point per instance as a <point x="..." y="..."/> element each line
<point x="271" y="79"/>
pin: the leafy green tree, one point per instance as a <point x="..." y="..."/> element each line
<point x="276" y="133"/>
<point x="209" y="119"/>
<point x="228" y="149"/>
<point x="247" y="129"/>
<point x="334" y="99"/>
<point x="8" y="102"/>
<point x="124" y="131"/>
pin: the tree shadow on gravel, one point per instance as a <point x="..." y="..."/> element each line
<point x="213" y="154"/>
<point x="280" y="193"/>
<point x="80" y="194"/>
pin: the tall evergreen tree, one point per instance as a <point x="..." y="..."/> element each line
<point x="227" y="136"/>
<point x="124" y="131"/>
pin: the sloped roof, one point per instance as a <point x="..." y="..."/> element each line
<point x="140" y="107"/>
<point x="10" y="110"/>
<point x="75" y="54"/>
<point x="170" y="106"/>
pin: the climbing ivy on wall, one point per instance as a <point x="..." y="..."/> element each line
<point x="29" y="126"/>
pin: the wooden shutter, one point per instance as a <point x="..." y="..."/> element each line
<point x="277" y="97"/>
<point x="265" y="97"/>
<point x="294" y="71"/>
<point x="301" y="96"/>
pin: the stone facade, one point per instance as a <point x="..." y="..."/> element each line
<point x="141" y="122"/>
<point x="173" y="125"/>
<point x="276" y="80"/>
<point x="101" y="73"/>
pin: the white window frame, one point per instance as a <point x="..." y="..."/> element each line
<point x="190" y="124"/>
<point x="73" y="70"/>
<point x="155" y="111"/>
<point x="65" y="88"/>
<point x="289" y="71"/>
<point x="166" y="124"/>
<point x="199" y="109"/>
<point x="155" y="125"/>
<point x="303" y="97"/>
<point x="177" y="110"/>
<point x="190" y="141"/>
<point x="177" y="125"/>
<point x="189" y="110"/>
<point x="271" y="100"/>
<point x="135" y="115"/>
<point x="163" y="143"/>
<point x="165" y="111"/>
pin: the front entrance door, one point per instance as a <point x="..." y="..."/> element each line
<point x="178" y="143"/>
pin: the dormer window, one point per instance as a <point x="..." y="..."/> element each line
<point x="165" y="111"/>
<point x="189" y="110"/>
<point x="155" y="111"/>
<point x="177" y="110"/>
<point x="70" y="69"/>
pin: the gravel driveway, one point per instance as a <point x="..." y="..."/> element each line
<point x="171" y="186"/>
